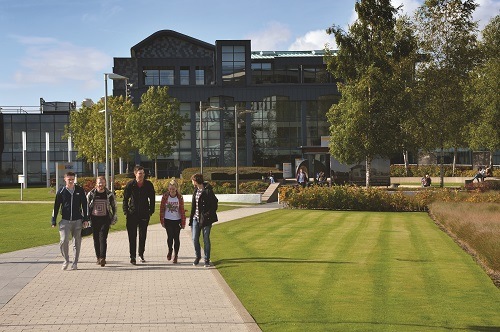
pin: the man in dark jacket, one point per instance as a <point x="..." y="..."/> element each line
<point x="138" y="206"/>
<point x="72" y="201"/>
<point x="203" y="215"/>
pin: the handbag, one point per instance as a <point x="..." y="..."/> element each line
<point x="86" y="231"/>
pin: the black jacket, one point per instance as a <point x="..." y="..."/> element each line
<point x="207" y="204"/>
<point x="139" y="202"/>
<point x="73" y="207"/>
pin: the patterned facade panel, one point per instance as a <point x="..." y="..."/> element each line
<point x="171" y="47"/>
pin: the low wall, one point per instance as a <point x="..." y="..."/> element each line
<point x="227" y="198"/>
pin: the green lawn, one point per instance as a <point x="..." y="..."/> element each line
<point x="29" y="194"/>
<point x="302" y="270"/>
<point x="26" y="225"/>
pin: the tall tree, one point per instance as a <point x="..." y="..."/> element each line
<point x="156" y="126"/>
<point x="120" y="109"/>
<point x="482" y="94"/>
<point x="86" y="127"/>
<point x="448" y="38"/>
<point x="366" y="122"/>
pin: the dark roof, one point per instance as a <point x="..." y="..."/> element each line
<point x="170" y="33"/>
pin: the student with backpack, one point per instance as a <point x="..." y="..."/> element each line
<point x="203" y="215"/>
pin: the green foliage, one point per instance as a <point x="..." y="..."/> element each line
<point x="87" y="129"/>
<point x="447" y="38"/>
<point x="372" y="64"/>
<point x="256" y="171"/>
<point x="156" y="125"/>
<point x="432" y="170"/>
<point x="348" y="198"/>
<point x="482" y="94"/>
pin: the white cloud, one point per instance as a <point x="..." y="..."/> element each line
<point x="313" y="40"/>
<point x="273" y="37"/>
<point x="49" y="61"/>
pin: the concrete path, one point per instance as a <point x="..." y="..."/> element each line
<point x="36" y="295"/>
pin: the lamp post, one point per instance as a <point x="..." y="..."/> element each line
<point x="210" y="108"/>
<point x="236" y="114"/>
<point x="113" y="77"/>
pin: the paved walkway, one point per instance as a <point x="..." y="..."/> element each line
<point x="36" y="295"/>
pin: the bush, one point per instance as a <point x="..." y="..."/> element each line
<point x="432" y="170"/>
<point x="348" y="198"/>
<point x="228" y="173"/>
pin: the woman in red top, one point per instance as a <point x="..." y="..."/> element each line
<point x="172" y="218"/>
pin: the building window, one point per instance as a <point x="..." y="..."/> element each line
<point x="200" y="76"/>
<point x="233" y="65"/>
<point x="316" y="74"/>
<point x="184" y="75"/>
<point x="262" y="73"/>
<point x="286" y="74"/>
<point x="164" y="76"/>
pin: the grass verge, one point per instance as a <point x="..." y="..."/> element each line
<point x="476" y="228"/>
<point x="304" y="270"/>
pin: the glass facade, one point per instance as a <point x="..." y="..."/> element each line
<point x="35" y="126"/>
<point x="233" y="65"/>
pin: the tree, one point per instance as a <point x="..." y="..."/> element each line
<point x="156" y="126"/>
<point x="447" y="38"/>
<point x="86" y="127"/>
<point x="366" y="123"/>
<point x="482" y="94"/>
<point x="120" y="109"/>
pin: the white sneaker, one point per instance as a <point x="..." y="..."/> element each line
<point x="65" y="266"/>
<point x="74" y="267"/>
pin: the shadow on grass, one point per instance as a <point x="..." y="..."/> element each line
<point x="276" y="260"/>
<point x="330" y="324"/>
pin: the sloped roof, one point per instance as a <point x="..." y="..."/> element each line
<point x="169" y="33"/>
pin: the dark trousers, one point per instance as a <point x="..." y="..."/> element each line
<point x="100" y="230"/>
<point x="133" y="223"/>
<point x="173" y="228"/>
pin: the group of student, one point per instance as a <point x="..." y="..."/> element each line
<point x="98" y="209"/>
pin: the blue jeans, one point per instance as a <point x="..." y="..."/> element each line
<point x="196" y="231"/>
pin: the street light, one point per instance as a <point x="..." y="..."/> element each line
<point x="210" y="108"/>
<point x="113" y="77"/>
<point x="236" y="114"/>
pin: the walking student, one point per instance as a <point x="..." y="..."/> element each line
<point x="138" y="206"/>
<point x="102" y="210"/>
<point x="203" y="215"/>
<point x="173" y="218"/>
<point x="72" y="202"/>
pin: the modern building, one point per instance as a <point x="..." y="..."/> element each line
<point x="30" y="154"/>
<point x="279" y="100"/>
<point x="267" y="107"/>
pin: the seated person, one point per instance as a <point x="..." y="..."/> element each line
<point x="480" y="175"/>
<point x="427" y="180"/>
<point x="489" y="171"/>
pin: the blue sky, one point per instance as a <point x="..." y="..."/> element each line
<point x="59" y="49"/>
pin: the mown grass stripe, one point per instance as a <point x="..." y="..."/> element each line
<point x="355" y="271"/>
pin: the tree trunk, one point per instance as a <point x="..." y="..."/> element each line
<point x="405" y="158"/>
<point x="156" y="167"/>
<point x="454" y="161"/>
<point x="441" y="168"/>
<point x="368" y="171"/>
